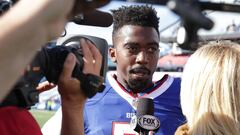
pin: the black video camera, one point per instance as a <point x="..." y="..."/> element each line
<point x="48" y="63"/>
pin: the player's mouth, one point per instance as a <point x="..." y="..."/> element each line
<point x="140" y="73"/>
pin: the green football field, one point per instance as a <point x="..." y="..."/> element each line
<point x="42" y="116"/>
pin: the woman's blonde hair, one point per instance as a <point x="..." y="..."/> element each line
<point x="210" y="90"/>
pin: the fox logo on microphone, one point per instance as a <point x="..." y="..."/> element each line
<point x="146" y="122"/>
<point x="149" y="122"/>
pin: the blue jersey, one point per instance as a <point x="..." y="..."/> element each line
<point x="110" y="112"/>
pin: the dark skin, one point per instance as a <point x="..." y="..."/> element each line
<point x="136" y="52"/>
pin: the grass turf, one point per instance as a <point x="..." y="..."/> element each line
<point x="42" y="116"/>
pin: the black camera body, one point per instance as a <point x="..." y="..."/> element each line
<point x="48" y="63"/>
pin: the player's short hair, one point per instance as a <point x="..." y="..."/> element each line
<point x="140" y="15"/>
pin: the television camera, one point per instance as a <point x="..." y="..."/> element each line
<point x="49" y="60"/>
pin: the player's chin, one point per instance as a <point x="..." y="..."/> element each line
<point x="138" y="83"/>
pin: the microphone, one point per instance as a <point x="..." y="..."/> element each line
<point x="145" y="122"/>
<point x="94" y="18"/>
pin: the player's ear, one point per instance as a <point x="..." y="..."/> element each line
<point x="112" y="54"/>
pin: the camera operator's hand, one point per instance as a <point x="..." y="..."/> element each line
<point x="92" y="64"/>
<point x="72" y="99"/>
<point x="92" y="57"/>
<point x="69" y="88"/>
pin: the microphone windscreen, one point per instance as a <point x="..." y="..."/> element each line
<point x="145" y="106"/>
<point x="94" y="18"/>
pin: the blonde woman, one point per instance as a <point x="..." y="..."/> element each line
<point x="210" y="91"/>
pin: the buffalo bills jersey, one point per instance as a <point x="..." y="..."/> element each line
<point x="110" y="112"/>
